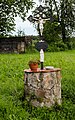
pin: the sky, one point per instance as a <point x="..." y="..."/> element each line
<point x="27" y="27"/>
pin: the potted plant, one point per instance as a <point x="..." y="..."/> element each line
<point x="33" y="64"/>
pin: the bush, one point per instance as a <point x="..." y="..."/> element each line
<point x="71" y="43"/>
<point x="60" y="46"/>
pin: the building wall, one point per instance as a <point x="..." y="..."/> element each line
<point x="14" y="44"/>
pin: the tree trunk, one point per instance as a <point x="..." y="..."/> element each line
<point x="62" y="22"/>
<point x="63" y="31"/>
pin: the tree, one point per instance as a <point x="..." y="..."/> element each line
<point x="20" y="33"/>
<point x="51" y="32"/>
<point x="65" y="10"/>
<point x="9" y="9"/>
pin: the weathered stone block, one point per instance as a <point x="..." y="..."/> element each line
<point x="43" y="87"/>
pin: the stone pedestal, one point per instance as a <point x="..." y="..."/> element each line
<point x="43" y="87"/>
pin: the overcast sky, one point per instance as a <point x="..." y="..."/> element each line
<point x="26" y="26"/>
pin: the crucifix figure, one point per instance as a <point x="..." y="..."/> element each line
<point x="41" y="22"/>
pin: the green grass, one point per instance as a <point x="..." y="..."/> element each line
<point x="12" y="106"/>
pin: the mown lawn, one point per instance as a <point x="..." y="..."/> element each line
<point x="12" y="105"/>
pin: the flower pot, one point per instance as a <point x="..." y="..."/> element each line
<point x="33" y="67"/>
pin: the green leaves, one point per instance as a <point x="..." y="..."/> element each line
<point x="10" y="9"/>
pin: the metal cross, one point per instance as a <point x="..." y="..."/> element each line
<point x="40" y="15"/>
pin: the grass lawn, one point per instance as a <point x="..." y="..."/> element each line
<point x="12" y="107"/>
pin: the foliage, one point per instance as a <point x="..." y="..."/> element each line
<point x="65" y="14"/>
<point x="63" y="23"/>
<point x="9" y="9"/>
<point x="57" y="46"/>
<point x="54" y="44"/>
<point x="67" y="17"/>
<point x="31" y="47"/>
<point x="34" y="61"/>
<point x="20" y="33"/>
<point x="70" y="43"/>
<point x="73" y="42"/>
<point x="51" y="32"/>
<point x="12" y="103"/>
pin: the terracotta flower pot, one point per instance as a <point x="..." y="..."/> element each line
<point x="33" y="67"/>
